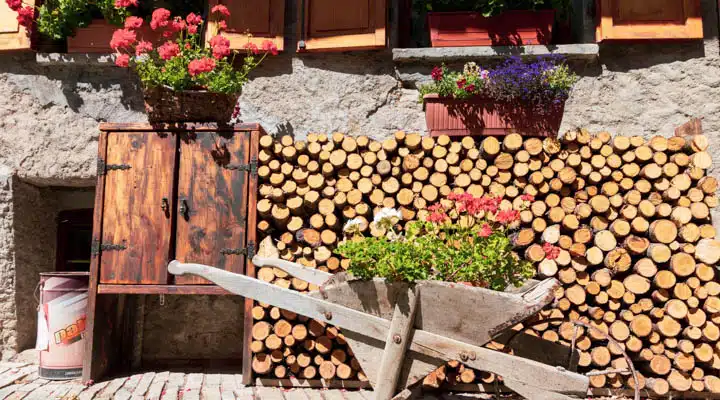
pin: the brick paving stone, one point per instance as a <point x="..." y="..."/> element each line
<point x="314" y="394"/>
<point x="10" y="376"/>
<point x="43" y="392"/>
<point x="193" y="385"/>
<point x="91" y="391"/>
<point x="246" y="393"/>
<point x="353" y="395"/>
<point x="74" y="390"/>
<point x="156" y="387"/>
<point x="296" y="394"/>
<point x="170" y="392"/>
<point x="8" y="390"/>
<point x="268" y="393"/>
<point x="142" y="386"/>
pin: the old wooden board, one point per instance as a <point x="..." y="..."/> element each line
<point x="136" y="231"/>
<point x="212" y="201"/>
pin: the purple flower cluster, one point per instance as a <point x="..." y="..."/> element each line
<point x="527" y="81"/>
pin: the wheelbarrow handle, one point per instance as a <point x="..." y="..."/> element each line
<point x="306" y="274"/>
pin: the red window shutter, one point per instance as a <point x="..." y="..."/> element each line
<point x="328" y="25"/>
<point x="251" y="21"/>
<point x="12" y="35"/>
<point x="649" y="19"/>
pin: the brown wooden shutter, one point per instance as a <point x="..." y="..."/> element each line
<point x="251" y="21"/>
<point x="136" y="221"/>
<point x="649" y="19"/>
<point x="12" y="35"/>
<point x="212" y="201"/>
<point x="328" y="25"/>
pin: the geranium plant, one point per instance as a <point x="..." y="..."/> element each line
<point x="541" y="81"/>
<point x="462" y="239"/>
<point x="183" y="62"/>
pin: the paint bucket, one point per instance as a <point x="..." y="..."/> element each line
<point x="61" y="324"/>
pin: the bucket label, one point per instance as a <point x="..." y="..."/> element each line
<point x="71" y="333"/>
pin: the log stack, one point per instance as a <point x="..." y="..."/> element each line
<point x="631" y="217"/>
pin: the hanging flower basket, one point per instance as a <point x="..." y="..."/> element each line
<point x="163" y="104"/>
<point x="510" y="28"/>
<point x="483" y="116"/>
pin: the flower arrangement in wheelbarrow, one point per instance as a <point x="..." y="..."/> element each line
<point x="183" y="80"/>
<point x="462" y="239"/>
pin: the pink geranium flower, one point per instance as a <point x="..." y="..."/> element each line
<point x="160" y="18"/>
<point x="168" y="50"/>
<point x="143" y="47"/>
<point x="122" y="60"/>
<point x="133" y="22"/>
<point x="201" y="66"/>
<point x="485" y="231"/>
<point x="125" y="3"/>
<point x="122" y="38"/>
<point x="221" y="9"/>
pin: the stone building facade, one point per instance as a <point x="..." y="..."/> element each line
<point x="51" y="106"/>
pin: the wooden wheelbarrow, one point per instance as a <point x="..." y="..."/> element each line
<point x="400" y="332"/>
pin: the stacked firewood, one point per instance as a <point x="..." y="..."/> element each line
<point x="630" y="216"/>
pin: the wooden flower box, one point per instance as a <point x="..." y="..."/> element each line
<point x="480" y="116"/>
<point x="95" y="38"/>
<point x="511" y="28"/>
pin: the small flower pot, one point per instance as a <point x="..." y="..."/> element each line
<point x="511" y="28"/>
<point x="95" y="38"/>
<point x="166" y="105"/>
<point x="481" y="116"/>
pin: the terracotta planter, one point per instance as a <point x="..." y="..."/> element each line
<point x="511" y="28"/>
<point x="480" y="116"/>
<point x="166" y="105"/>
<point x="95" y="38"/>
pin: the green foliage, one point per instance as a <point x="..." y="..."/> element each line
<point x="58" y="19"/>
<point x="466" y="250"/>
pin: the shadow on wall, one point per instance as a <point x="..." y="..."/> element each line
<point x="34" y="227"/>
<point x="622" y="57"/>
<point x="77" y="81"/>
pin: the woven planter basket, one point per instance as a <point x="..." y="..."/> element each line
<point x="166" y="105"/>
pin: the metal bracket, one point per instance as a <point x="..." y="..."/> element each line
<point x="248" y="251"/>
<point x="103" y="168"/>
<point x="252" y="167"/>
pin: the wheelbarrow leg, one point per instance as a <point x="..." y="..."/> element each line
<point x="395" y="346"/>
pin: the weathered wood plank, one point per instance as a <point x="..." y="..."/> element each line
<point x="109" y="391"/>
<point x="266" y="393"/>
<point x="126" y="391"/>
<point x="156" y="387"/>
<point x="25" y="390"/>
<point x="8" y="390"/>
<point x="212" y="192"/>
<point x="74" y="391"/>
<point x="137" y="207"/>
<point x="193" y="385"/>
<point x="333" y="394"/>
<point x="296" y="394"/>
<point x="13" y="375"/>
<point x="313" y="394"/>
<point x="354" y="395"/>
<point x="43" y="392"/>
<point x="210" y="393"/>
<point x="246" y="393"/>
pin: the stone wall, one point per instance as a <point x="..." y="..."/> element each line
<point x="49" y="114"/>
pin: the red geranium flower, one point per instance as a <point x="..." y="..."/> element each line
<point x="160" y="18"/>
<point x="437" y="74"/>
<point x="192" y="29"/>
<point x="220" y="51"/>
<point x="133" y="22"/>
<point x="222" y="25"/>
<point x="461" y="83"/>
<point x="193" y="19"/>
<point x="122" y="38"/>
<point x="14" y="5"/>
<point x="252" y="47"/>
<point x="200" y="66"/>
<point x="485" y="231"/>
<point x="143" y="47"/>
<point x="527" y="197"/>
<point x="26" y="16"/>
<point x="270" y="46"/>
<point x="125" y="3"/>
<point x="470" y="88"/>
<point x="508" y="216"/>
<point x="437" y="217"/>
<point x="122" y="60"/>
<point x="551" y="252"/>
<point x="168" y="50"/>
<point x="219" y="40"/>
<point x="221" y="9"/>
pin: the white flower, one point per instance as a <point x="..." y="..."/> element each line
<point x="387" y="213"/>
<point x="352" y="225"/>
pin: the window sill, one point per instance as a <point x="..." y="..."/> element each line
<point x="588" y="51"/>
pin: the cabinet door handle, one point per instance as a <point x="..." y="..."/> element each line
<point x="183" y="208"/>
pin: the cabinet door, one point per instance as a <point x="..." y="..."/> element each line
<point x="643" y="19"/>
<point x="136" y="226"/>
<point x="251" y="21"/>
<point x="340" y="25"/>
<point x="12" y="35"/>
<point x="212" y="201"/>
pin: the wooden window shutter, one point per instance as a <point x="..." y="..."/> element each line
<point x="649" y="19"/>
<point x="251" y="20"/>
<point x="12" y="35"/>
<point x="327" y="25"/>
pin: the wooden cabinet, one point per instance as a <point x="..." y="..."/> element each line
<point x="253" y="21"/>
<point x="12" y="35"/>
<point x="172" y="194"/>
<point x="648" y="19"/>
<point x="341" y="25"/>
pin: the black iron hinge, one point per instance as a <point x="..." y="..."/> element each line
<point x="97" y="247"/>
<point x="251" y="167"/>
<point x="249" y="250"/>
<point x="103" y="168"/>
